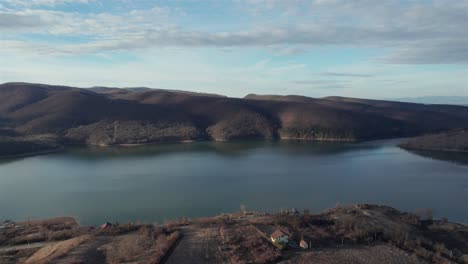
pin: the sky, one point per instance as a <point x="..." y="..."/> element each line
<point x="358" y="48"/>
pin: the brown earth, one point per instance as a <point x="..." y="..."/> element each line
<point x="358" y="234"/>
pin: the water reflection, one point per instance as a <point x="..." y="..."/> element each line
<point x="227" y="149"/>
<point x="153" y="183"/>
<point x="455" y="157"/>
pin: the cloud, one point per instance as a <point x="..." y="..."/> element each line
<point x="442" y="52"/>
<point x="416" y="32"/>
<point x="30" y="3"/>
<point x="327" y="87"/>
<point x="327" y="84"/>
<point x="322" y="82"/>
<point x="343" y="74"/>
<point x="17" y="21"/>
<point x="21" y="46"/>
<point x="285" y="8"/>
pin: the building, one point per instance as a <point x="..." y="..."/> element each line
<point x="279" y="237"/>
<point x="105" y="226"/>
<point x="303" y="244"/>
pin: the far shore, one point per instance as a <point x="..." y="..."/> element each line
<point x="31" y="154"/>
<point x="432" y="149"/>
<point x="131" y="145"/>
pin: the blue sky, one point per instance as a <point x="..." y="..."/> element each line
<point x="360" y="48"/>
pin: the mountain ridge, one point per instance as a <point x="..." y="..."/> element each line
<point x="83" y="116"/>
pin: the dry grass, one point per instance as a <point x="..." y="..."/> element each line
<point x="149" y="245"/>
<point x="70" y="221"/>
<point x="246" y="245"/>
<point x="382" y="254"/>
<point x="55" y="229"/>
<point x="49" y="253"/>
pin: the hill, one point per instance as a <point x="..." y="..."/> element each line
<point x="32" y="145"/>
<point x="450" y="141"/>
<point x="107" y="116"/>
<point x="453" y="100"/>
<point x="112" y="90"/>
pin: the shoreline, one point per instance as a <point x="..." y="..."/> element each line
<point x="325" y="139"/>
<point x="432" y="149"/>
<point x="132" y="145"/>
<point x="32" y="154"/>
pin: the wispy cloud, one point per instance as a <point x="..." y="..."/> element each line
<point x="344" y="74"/>
<point x="312" y="47"/>
<point x="327" y="87"/>
<point x="416" y="32"/>
<point x="321" y="82"/>
<point x="30" y="3"/>
<point x="12" y="22"/>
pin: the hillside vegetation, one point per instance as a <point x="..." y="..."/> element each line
<point x="450" y="141"/>
<point x="19" y="146"/>
<point x="107" y="116"/>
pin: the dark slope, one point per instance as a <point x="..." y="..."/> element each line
<point x="80" y="115"/>
<point x="121" y="91"/>
<point x="450" y="141"/>
<point x="413" y="118"/>
<point x="23" y="146"/>
<point x="283" y="98"/>
<point x="450" y="100"/>
<point x="112" y="116"/>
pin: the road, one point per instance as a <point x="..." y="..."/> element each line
<point x="197" y="246"/>
<point x="26" y="246"/>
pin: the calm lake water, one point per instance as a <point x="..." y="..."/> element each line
<point x="156" y="183"/>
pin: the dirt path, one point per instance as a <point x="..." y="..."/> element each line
<point x="88" y="252"/>
<point x="26" y="246"/>
<point x="197" y="246"/>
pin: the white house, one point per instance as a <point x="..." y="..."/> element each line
<point x="279" y="237"/>
<point x="303" y="244"/>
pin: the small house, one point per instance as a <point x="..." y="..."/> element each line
<point x="303" y="244"/>
<point x="279" y="237"/>
<point x="105" y="226"/>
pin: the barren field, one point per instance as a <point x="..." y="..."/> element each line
<point x="198" y="246"/>
<point x="357" y="234"/>
<point x="382" y="254"/>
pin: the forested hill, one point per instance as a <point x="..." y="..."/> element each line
<point x="109" y="116"/>
<point x="450" y="141"/>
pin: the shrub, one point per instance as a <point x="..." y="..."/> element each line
<point x="150" y="245"/>
<point x="60" y="235"/>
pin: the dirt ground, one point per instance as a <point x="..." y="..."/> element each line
<point x="86" y="253"/>
<point x="382" y="254"/>
<point x="369" y="234"/>
<point x="198" y="246"/>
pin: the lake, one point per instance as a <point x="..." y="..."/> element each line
<point x="160" y="182"/>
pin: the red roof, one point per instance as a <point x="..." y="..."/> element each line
<point x="277" y="234"/>
<point x="105" y="225"/>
